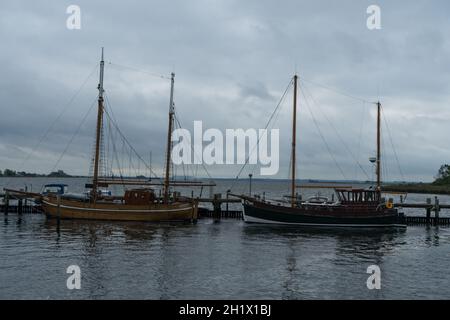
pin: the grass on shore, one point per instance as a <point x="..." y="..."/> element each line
<point x="426" y="188"/>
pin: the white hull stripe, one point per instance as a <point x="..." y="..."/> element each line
<point x="250" y="219"/>
<point x="115" y="210"/>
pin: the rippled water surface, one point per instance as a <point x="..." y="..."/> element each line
<point x="217" y="260"/>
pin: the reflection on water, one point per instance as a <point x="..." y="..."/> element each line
<point x="209" y="260"/>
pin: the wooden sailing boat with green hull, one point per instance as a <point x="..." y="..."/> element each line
<point x="355" y="207"/>
<point x="139" y="204"/>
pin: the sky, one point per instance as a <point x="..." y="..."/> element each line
<point x="233" y="60"/>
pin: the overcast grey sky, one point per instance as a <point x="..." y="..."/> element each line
<point x="233" y="60"/>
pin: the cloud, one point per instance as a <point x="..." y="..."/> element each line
<point x="233" y="60"/>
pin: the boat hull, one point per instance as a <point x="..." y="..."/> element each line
<point x="72" y="209"/>
<point x="271" y="214"/>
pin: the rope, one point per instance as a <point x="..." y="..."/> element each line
<point x="141" y="71"/>
<point x="125" y="140"/>
<point x="192" y="148"/>
<point x="337" y="134"/>
<point x="259" y="137"/>
<point x="321" y="134"/>
<point x="392" y="144"/>
<point x="335" y="91"/>
<point x="360" y="134"/>
<point x="65" y="108"/>
<point x="74" y="135"/>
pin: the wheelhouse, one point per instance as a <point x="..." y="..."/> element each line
<point x="358" y="196"/>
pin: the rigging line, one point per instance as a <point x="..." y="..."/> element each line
<point x="192" y="148"/>
<point x="360" y="134"/>
<point x="265" y="128"/>
<point x="122" y="152"/>
<point x="321" y="134"/>
<point x="385" y="160"/>
<point x="141" y="71"/>
<point x="337" y="133"/>
<point x="178" y="126"/>
<point x="119" y="165"/>
<point x="74" y="135"/>
<point x="66" y="107"/>
<point x="124" y="139"/>
<point x="392" y="143"/>
<point x="275" y="119"/>
<point x="335" y="91"/>
<point x="129" y="144"/>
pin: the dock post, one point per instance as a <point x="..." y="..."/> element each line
<point x="58" y="209"/>
<point x="436" y="211"/>
<point x="428" y="211"/>
<point x="228" y="196"/>
<point x="217" y="206"/>
<point x="26" y="199"/>
<point x="20" y="206"/>
<point x="211" y="191"/>
<point x="6" y="203"/>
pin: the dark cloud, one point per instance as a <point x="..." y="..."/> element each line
<point x="233" y="60"/>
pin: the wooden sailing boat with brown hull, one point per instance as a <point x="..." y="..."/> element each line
<point x="136" y="204"/>
<point x="355" y="207"/>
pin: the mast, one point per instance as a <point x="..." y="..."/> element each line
<point x="294" y="130"/>
<point x="378" y="169"/>
<point x="98" y="131"/>
<point x="169" y="140"/>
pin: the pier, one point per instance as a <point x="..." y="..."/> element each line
<point x="24" y="203"/>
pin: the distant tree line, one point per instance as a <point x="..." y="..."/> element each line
<point x="12" y="173"/>
<point x="443" y="176"/>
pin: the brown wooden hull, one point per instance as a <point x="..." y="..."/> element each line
<point x="73" y="209"/>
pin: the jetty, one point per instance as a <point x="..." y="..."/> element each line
<point x="217" y="207"/>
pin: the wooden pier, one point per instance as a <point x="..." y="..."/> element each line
<point x="24" y="204"/>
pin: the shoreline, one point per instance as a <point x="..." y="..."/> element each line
<point x="420" y="188"/>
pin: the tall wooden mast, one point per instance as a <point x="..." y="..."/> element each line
<point x="378" y="169"/>
<point x="99" y="129"/>
<point x="169" y="141"/>
<point x="294" y="134"/>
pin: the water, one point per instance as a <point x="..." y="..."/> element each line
<point x="217" y="260"/>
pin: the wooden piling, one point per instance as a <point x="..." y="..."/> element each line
<point x="6" y="203"/>
<point x="217" y="206"/>
<point x="58" y="208"/>
<point x="428" y="211"/>
<point x="20" y="206"/>
<point x="436" y="210"/>
<point x="228" y="196"/>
